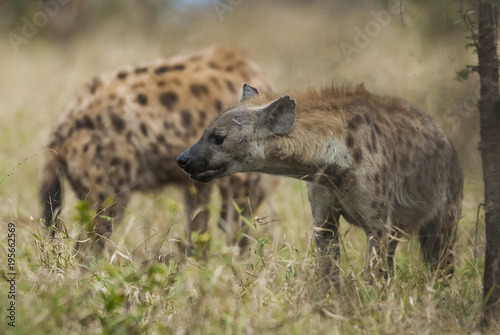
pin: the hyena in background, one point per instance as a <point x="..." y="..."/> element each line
<point x="377" y="161"/>
<point x="123" y="132"/>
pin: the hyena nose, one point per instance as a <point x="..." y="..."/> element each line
<point x="182" y="160"/>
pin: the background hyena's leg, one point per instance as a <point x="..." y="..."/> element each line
<point x="326" y="222"/>
<point x="248" y="191"/>
<point x="106" y="217"/>
<point x="104" y="177"/>
<point x="109" y="208"/>
<point x="196" y="197"/>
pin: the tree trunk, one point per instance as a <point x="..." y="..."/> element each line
<point x="489" y="108"/>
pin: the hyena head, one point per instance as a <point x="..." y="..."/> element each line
<point x="234" y="141"/>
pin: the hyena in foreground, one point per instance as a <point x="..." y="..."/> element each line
<point x="377" y="161"/>
<point x="123" y="132"/>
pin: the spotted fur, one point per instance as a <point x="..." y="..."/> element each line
<point x="122" y="132"/>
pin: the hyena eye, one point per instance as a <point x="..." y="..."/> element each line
<point x="219" y="139"/>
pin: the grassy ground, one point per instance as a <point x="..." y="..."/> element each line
<point x="273" y="288"/>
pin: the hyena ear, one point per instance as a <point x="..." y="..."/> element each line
<point x="280" y="115"/>
<point x="247" y="92"/>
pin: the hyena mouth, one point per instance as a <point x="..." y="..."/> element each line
<point x="208" y="175"/>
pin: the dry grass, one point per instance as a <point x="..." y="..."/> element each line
<point x="273" y="288"/>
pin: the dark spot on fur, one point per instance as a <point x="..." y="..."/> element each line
<point x="177" y="133"/>
<point x="186" y="118"/>
<point x="126" y="167"/>
<point x="357" y="155"/>
<point x="404" y="161"/>
<point x="374" y="142"/>
<point x="178" y="67"/>
<point x="154" y="148"/>
<point x="203" y="115"/>
<point x="374" y="204"/>
<point x="117" y="122"/>
<point x="122" y="75"/>
<point x="229" y="68"/>
<point x="199" y="90"/>
<point x="367" y="119"/>
<point x="213" y="65"/>
<point x="128" y="137"/>
<point x="440" y="144"/>
<point x="86" y="123"/>
<point x="161" y="83"/>
<point x="161" y="138"/>
<point x="377" y="129"/>
<point x="218" y="105"/>
<point x="376" y="178"/>
<point x="98" y="180"/>
<point x="377" y="191"/>
<point x="115" y="161"/>
<point x="354" y="122"/>
<point x="230" y="86"/>
<point x="102" y="197"/>
<point x="86" y="147"/>
<point x="141" y="70"/>
<point x="98" y="150"/>
<point x="94" y="85"/>
<point x="166" y="125"/>
<point x="144" y="129"/>
<point x="161" y="69"/>
<point x="169" y="99"/>
<point x="369" y="147"/>
<point x="215" y="81"/>
<point x="142" y="99"/>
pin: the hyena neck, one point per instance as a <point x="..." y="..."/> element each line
<point x="306" y="155"/>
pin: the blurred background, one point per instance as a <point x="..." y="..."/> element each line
<point x="409" y="49"/>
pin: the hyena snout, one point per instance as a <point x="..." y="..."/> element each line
<point x="198" y="169"/>
<point x="183" y="160"/>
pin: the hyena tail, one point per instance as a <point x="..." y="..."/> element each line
<point x="51" y="190"/>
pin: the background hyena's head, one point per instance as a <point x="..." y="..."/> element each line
<point x="235" y="140"/>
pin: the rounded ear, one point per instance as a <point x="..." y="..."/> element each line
<point x="280" y="115"/>
<point x="247" y="92"/>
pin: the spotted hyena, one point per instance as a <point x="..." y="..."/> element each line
<point x="123" y="132"/>
<point x="377" y="161"/>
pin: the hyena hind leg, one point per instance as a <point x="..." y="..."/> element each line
<point x="437" y="238"/>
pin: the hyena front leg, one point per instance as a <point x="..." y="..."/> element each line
<point x="107" y="212"/>
<point x="326" y="222"/>
<point x="197" y="196"/>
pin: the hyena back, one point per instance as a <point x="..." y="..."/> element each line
<point x="377" y="161"/>
<point x="123" y="132"/>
